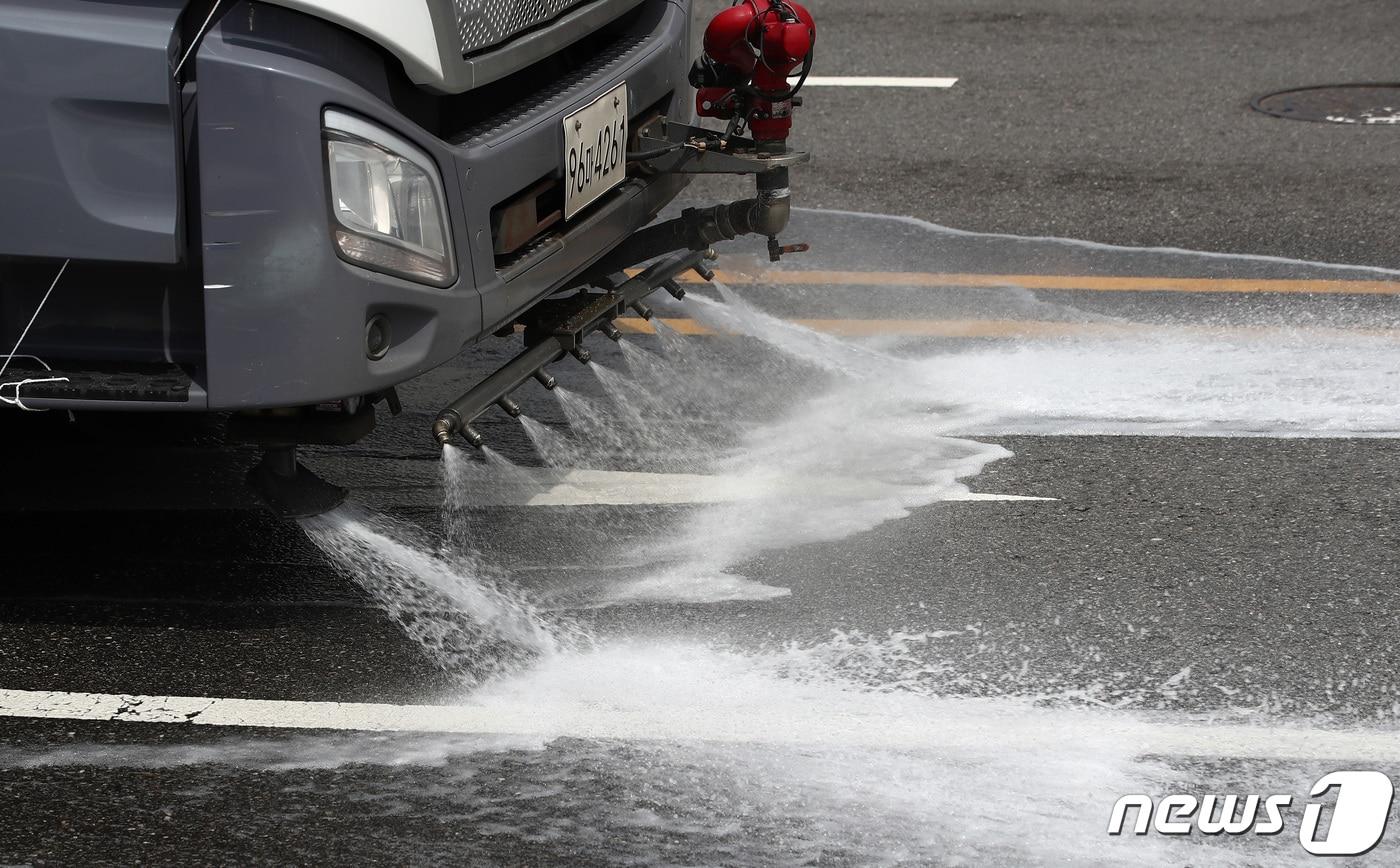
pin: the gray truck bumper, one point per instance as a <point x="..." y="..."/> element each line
<point x="284" y="315"/>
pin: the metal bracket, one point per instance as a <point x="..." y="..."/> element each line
<point x="567" y="320"/>
<point x="691" y="150"/>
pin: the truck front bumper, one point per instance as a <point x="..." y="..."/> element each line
<point x="285" y="316"/>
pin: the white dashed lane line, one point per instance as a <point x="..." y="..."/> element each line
<point x="962" y="726"/>
<point x="531" y="487"/>
<point x="877" y="81"/>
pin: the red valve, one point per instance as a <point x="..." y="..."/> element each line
<point x="750" y="51"/>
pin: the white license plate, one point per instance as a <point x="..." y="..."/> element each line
<point x="595" y="150"/>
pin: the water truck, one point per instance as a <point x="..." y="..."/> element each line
<point x="280" y="210"/>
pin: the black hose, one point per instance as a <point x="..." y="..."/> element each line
<point x="641" y="156"/>
<point x="801" y="80"/>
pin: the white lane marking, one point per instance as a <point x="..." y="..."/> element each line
<point x="877" y="81"/>
<point x="505" y="717"/>
<point x="542" y="487"/>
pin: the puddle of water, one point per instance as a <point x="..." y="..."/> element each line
<point x="1283" y="385"/>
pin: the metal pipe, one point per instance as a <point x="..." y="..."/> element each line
<point x="658" y="273"/>
<point x="558" y="338"/>
<point x="767" y="213"/>
<point x="456" y="416"/>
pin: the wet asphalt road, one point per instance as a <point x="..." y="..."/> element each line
<point x="1179" y="576"/>
<point x="1247" y="559"/>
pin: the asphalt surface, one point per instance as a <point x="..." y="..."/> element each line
<point x="849" y="667"/>
<point x="1126" y="122"/>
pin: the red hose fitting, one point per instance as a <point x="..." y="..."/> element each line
<point x="750" y="51"/>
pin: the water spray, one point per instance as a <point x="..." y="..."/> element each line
<point x="556" y="328"/>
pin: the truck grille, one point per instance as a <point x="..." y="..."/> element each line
<point x="484" y="23"/>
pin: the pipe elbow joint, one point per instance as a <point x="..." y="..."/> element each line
<point x="771" y="215"/>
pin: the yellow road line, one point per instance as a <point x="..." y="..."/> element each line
<point x="993" y="328"/>
<point x="1083" y="282"/>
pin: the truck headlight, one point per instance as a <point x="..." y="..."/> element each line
<point x="388" y="202"/>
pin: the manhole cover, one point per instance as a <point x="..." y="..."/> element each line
<point x="1367" y="104"/>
